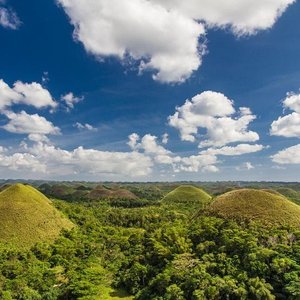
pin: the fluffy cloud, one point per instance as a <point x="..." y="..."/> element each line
<point x="166" y="32"/>
<point x="289" y="125"/>
<point x="70" y="99"/>
<point x="34" y="94"/>
<point x="25" y="93"/>
<point x="37" y="137"/>
<point x="85" y="126"/>
<point x="161" y="155"/>
<point x="8" y="96"/>
<point x="41" y="157"/>
<point x="150" y="147"/>
<point x="195" y="163"/>
<point x="44" y="158"/>
<point x="204" y="161"/>
<point x="243" y="17"/>
<point x="23" y="123"/>
<point x="287" y="156"/>
<point x="292" y="102"/>
<point x="8" y="18"/>
<point x="163" y="40"/>
<point x="214" y="113"/>
<point x="148" y="144"/>
<point x="22" y="161"/>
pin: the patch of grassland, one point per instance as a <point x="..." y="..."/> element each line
<point x="187" y="195"/>
<point x="112" y="294"/>
<point x="257" y="205"/>
<point x="27" y="217"/>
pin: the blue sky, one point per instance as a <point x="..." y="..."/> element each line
<point x="84" y="93"/>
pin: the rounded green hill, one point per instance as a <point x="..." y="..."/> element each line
<point x="258" y="205"/>
<point x="27" y="217"/>
<point x="187" y="194"/>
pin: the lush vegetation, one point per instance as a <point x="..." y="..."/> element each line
<point x="155" y="251"/>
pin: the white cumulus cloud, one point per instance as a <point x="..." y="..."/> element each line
<point x="243" y="17"/>
<point x="196" y="163"/>
<point x="215" y="114"/>
<point x="288" y="125"/>
<point x="25" y="93"/>
<point x="161" y="156"/>
<point x="165" y="36"/>
<point x="287" y="156"/>
<point x="204" y="161"/>
<point x="22" y="161"/>
<point x="148" y="143"/>
<point x="48" y="159"/>
<point x="23" y="123"/>
<point x="162" y="40"/>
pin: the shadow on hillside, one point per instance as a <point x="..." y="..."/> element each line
<point x="120" y="294"/>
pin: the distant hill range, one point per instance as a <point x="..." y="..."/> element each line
<point x="79" y="192"/>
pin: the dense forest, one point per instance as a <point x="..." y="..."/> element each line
<point x="145" y="247"/>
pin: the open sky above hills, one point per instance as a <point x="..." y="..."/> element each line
<point x="150" y="90"/>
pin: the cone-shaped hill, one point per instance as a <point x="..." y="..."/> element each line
<point x="100" y="192"/>
<point x="27" y="217"/>
<point x="258" y="205"/>
<point x="189" y="195"/>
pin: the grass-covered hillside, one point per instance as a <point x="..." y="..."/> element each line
<point x="259" y="205"/>
<point x="101" y="192"/>
<point x="27" y="216"/>
<point x="187" y="195"/>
